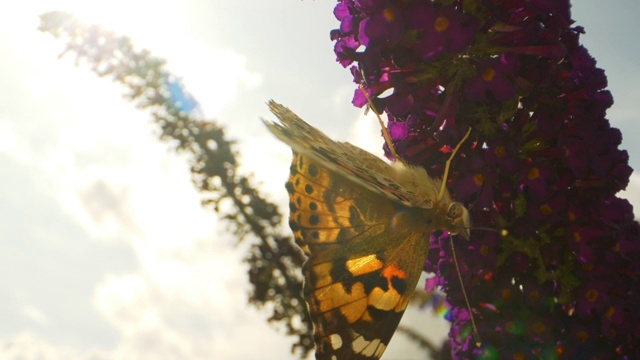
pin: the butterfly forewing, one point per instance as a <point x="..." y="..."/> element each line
<point x="346" y="159"/>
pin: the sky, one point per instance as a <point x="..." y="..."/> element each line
<point x="106" y="252"/>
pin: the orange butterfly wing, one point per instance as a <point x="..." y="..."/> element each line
<point x="365" y="258"/>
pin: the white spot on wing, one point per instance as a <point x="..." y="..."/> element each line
<point x="336" y="341"/>
<point x="366" y="348"/>
<point x="380" y="350"/>
<point x="358" y="344"/>
<point x="370" y="350"/>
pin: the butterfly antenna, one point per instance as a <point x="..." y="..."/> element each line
<point x="476" y="335"/>
<point x="448" y="164"/>
<point x="385" y="132"/>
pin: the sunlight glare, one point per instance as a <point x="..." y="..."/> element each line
<point x="215" y="76"/>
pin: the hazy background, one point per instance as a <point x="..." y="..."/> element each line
<point x="105" y="252"/>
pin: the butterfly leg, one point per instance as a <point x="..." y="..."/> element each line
<point x="385" y="132"/>
<point x="448" y="164"/>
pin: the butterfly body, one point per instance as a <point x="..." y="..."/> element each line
<point x="365" y="226"/>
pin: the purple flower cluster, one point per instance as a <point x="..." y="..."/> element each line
<point x="543" y="163"/>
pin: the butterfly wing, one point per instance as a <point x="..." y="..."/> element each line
<point x="364" y="226"/>
<point x="365" y="258"/>
<point x="400" y="183"/>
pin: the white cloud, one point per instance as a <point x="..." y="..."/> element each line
<point x="34" y="314"/>
<point x="11" y="143"/>
<point x="366" y="133"/>
<point x="198" y="313"/>
<point x="632" y="193"/>
<point x="25" y="346"/>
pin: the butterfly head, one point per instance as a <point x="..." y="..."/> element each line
<point x="458" y="220"/>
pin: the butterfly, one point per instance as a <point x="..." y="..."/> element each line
<point x="364" y="225"/>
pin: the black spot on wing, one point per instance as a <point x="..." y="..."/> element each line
<point x="308" y="189"/>
<point x="399" y="284"/>
<point x="290" y="188"/>
<point x="294" y="225"/>
<point x="313" y="170"/>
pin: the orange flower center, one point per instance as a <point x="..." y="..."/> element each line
<point x="534" y="296"/>
<point x="488" y="74"/>
<point x="545" y="209"/>
<point x="539" y="327"/>
<point x="441" y="24"/>
<point x="582" y="336"/>
<point x="576" y="237"/>
<point x="389" y="14"/>
<point x="610" y="311"/>
<point x="506" y="294"/>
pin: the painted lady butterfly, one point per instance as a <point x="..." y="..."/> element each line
<point x="365" y="226"/>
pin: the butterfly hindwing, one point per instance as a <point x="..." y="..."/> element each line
<point x="365" y="258"/>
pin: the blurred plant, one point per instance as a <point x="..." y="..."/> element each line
<point x="273" y="257"/>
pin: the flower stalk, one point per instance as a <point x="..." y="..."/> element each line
<point x="543" y="162"/>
